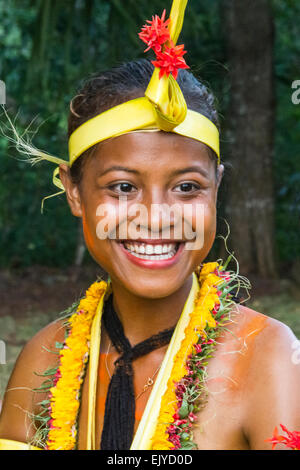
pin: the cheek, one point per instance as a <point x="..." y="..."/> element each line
<point x="99" y="226"/>
<point x="203" y="221"/>
<point x="88" y="233"/>
<point x="210" y="220"/>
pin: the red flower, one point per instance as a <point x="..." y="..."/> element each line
<point x="225" y="275"/>
<point x="179" y="422"/>
<point x="155" y="34"/>
<point x="192" y="417"/>
<point x="292" y="440"/>
<point x="170" y="60"/>
<point x="175" y="440"/>
<point x="180" y="390"/>
<point x="198" y="348"/>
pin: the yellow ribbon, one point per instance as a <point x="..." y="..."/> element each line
<point x="176" y="17"/>
<point x="9" y="444"/>
<point x="56" y="181"/>
<point x="146" y="428"/>
<point x="164" y="93"/>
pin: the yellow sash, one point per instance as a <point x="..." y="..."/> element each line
<point x="8" y="444"/>
<point x="146" y="428"/>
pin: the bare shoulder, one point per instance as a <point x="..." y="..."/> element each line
<point x="266" y="347"/>
<point x="272" y="337"/>
<point x="21" y="398"/>
<point x="253" y="383"/>
<point x="271" y="384"/>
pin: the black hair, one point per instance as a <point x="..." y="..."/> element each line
<point x="123" y="83"/>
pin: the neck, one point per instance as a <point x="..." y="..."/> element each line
<point x="143" y="317"/>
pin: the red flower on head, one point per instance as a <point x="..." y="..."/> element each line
<point x="170" y="60"/>
<point x="156" y="33"/>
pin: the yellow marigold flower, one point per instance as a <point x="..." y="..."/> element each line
<point x="200" y="317"/>
<point x="64" y="395"/>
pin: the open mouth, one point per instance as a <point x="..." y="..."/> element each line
<point x="151" y="251"/>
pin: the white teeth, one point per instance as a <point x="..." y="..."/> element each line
<point x="158" y="249"/>
<point x="140" y="249"/>
<point x="151" y="251"/>
<point x="154" y="257"/>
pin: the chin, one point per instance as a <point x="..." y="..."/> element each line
<point x="153" y="289"/>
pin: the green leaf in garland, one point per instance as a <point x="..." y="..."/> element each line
<point x="188" y="445"/>
<point x="184" y="409"/>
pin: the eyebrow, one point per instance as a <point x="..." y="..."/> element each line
<point x="191" y="169"/>
<point x="119" y="168"/>
<point x="180" y="171"/>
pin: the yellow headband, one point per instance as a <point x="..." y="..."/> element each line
<point x="134" y="115"/>
<point x="163" y="107"/>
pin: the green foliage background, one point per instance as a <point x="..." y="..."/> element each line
<point x="48" y="47"/>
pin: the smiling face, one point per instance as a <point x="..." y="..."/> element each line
<point x="148" y="168"/>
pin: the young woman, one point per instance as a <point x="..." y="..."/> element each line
<point x="151" y="383"/>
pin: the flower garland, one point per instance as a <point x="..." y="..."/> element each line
<point x="186" y="388"/>
<point x="179" y="403"/>
<point x="64" y="394"/>
<point x="186" y="392"/>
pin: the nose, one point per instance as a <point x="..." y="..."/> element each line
<point x="156" y="217"/>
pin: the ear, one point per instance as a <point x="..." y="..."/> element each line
<point x="72" y="190"/>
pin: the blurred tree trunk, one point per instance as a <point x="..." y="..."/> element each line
<point x="248" y="32"/>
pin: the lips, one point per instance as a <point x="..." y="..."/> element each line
<point x="152" y="253"/>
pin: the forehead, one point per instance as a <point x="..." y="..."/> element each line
<point x="151" y="151"/>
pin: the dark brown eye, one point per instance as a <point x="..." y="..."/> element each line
<point x="122" y="187"/>
<point x="188" y="187"/>
<point x="126" y="187"/>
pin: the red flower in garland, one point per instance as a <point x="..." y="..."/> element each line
<point x="292" y="440"/>
<point x="156" y="33"/>
<point x="170" y="60"/>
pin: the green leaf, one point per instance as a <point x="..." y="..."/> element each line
<point x="188" y="445"/>
<point x="44" y="402"/>
<point x="184" y="409"/>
